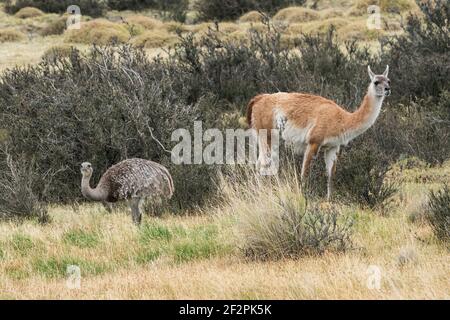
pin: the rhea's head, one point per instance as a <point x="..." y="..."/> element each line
<point x="381" y="85"/>
<point x="86" y="169"/>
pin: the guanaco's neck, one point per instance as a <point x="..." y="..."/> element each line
<point x="368" y="112"/>
<point x="97" y="194"/>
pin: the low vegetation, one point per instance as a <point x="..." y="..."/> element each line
<point x="236" y="234"/>
<point x="296" y="15"/>
<point x="438" y="208"/>
<point x="28" y="12"/>
<point x="18" y="187"/>
<point x="100" y="32"/>
<point x="11" y="35"/>
<point x="275" y="221"/>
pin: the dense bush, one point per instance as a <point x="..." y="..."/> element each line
<point x="420" y="57"/>
<point x="131" y="101"/>
<point x="362" y="176"/>
<point x="18" y="184"/>
<point x="439" y="213"/>
<point x="101" y="107"/>
<point x="93" y="8"/>
<point x="232" y="9"/>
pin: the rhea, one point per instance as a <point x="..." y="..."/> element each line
<point x="310" y="123"/>
<point x="133" y="180"/>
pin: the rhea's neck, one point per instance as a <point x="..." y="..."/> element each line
<point x="96" y="194"/>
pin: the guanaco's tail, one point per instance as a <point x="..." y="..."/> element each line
<point x="250" y="109"/>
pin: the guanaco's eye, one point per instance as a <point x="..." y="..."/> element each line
<point x="376" y="83"/>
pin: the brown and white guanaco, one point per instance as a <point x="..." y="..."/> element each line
<point x="310" y="123"/>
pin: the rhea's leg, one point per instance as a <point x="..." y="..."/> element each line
<point x="135" y="210"/>
<point x="108" y="206"/>
<point x="330" y="164"/>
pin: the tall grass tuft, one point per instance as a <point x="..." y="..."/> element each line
<point x="18" y="199"/>
<point x="439" y="212"/>
<point x="274" y="219"/>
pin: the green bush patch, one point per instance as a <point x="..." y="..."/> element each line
<point x="22" y="244"/>
<point x="56" y="267"/>
<point x="151" y="232"/>
<point x="81" y="239"/>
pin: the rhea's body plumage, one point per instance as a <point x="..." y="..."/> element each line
<point x="132" y="179"/>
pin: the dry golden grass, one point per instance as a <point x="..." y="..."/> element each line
<point x="11" y="35"/>
<point x="118" y="260"/>
<point x="296" y="15"/>
<point x="155" y="39"/>
<point x="55" y="26"/>
<point x="98" y="31"/>
<point x="252" y="16"/>
<point x="28" y="12"/>
<point x="145" y="22"/>
<point x="57" y="51"/>
<point x="331" y="13"/>
<point x="320" y="26"/>
<point x="358" y="30"/>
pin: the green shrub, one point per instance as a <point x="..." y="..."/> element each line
<point x="439" y="212"/>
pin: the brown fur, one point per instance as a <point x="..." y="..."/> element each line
<point x="330" y="119"/>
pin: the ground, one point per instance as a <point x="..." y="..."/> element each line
<point x="196" y="256"/>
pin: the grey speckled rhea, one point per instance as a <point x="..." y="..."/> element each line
<point x="131" y="179"/>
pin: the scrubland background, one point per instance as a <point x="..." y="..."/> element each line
<point x="137" y="70"/>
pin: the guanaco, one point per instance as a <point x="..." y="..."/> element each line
<point x="311" y="123"/>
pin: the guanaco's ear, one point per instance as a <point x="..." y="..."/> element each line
<point x="386" y="72"/>
<point x="371" y="74"/>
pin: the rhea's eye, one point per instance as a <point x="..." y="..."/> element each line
<point x="389" y="82"/>
<point x="376" y="83"/>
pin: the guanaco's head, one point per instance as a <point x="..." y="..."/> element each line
<point x="86" y="169"/>
<point x="380" y="84"/>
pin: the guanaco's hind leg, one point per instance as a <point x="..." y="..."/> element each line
<point x="310" y="153"/>
<point x="330" y="164"/>
<point x="264" y="144"/>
